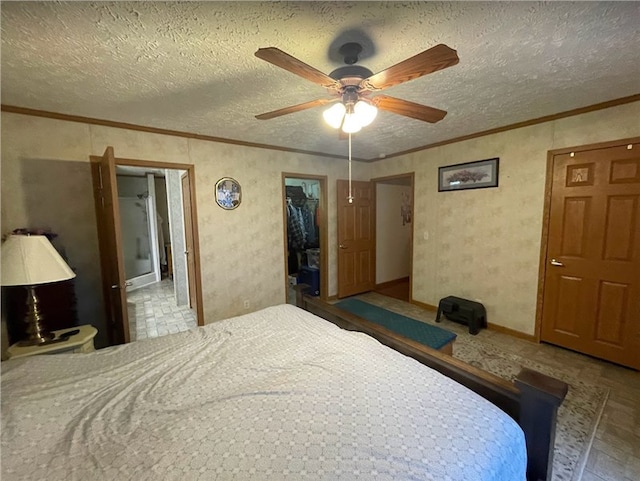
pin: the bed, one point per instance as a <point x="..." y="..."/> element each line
<point x="279" y="394"/>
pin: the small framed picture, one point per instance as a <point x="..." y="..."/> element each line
<point x="228" y="193"/>
<point x="469" y="175"/>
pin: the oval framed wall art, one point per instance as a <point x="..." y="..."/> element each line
<point x="228" y="193"/>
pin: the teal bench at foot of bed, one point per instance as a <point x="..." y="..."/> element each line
<point x="432" y="336"/>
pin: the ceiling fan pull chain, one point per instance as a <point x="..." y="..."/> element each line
<point x="350" y="198"/>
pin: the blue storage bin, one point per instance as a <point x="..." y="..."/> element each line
<point x="311" y="277"/>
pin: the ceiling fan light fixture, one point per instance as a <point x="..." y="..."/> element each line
<point x="365" y="112"/>
<point x="351" y="124"/>
<point x="334" y="115"/>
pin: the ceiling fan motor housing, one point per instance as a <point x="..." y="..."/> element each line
<point x="357" y="71"/>
<point x="350" y="96"/>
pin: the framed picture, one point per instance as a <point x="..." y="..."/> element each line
<point x="470" y="175"/>
<point x="228" y="193"/>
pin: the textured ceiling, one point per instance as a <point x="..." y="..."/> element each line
<point x="190" y="66"/>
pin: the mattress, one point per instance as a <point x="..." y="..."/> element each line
<point x="279" y="394"/>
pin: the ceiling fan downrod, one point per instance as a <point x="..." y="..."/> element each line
<point x="350" y="52"/>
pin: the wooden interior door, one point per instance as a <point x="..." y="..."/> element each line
<point x="356" y="247"/>
<point x="592" y="281"/>
<point x="188" y="236"/>
<point x="105" y="192"/>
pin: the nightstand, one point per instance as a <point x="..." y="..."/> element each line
<point x="81" y="342"/>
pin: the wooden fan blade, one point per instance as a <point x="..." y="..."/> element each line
<point x="408" y="109"/>
<point x="295" y="108"/>
<point x="283" y="60"/>
<point x="432" y="60"/>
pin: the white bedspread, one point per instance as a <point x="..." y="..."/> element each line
<point x="275" y="395"/>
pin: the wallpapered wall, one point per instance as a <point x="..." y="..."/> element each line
<point x="482" y="244"/>
<point x="46" y="182"/>
<point x="485" y="244"/>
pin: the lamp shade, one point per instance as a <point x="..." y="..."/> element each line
<point x="28" y="260"/>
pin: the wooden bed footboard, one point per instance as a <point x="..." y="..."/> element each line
<point x="532" y="399"/>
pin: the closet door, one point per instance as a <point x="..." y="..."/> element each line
<point x="356" y="242"/>
<point x="592" y="282"/>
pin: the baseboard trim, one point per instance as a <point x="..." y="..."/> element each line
<point x="384" y="285"/>
<point x="428" y="307"/>
<point x="512" y="332"/>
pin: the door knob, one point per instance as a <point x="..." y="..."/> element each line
<point x="342" y="247"/>
<point x="556" y="263"/>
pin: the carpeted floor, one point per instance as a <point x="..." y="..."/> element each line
<point x="502" y="355"/>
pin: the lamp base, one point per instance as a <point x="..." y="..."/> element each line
<point x="41" y="338"/>
<point x="36" y="333"/>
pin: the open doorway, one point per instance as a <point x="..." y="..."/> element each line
<point x="394" y="235"/>
<point x="152" y="225"/>
<point x="305" y="233"/>
<point x="116" y="288"/>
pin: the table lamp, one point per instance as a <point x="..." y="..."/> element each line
<point x="31" y="260"/>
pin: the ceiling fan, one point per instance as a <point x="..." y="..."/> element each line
<point x="354" y="88"/>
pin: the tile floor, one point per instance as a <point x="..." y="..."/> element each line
<point x="615" y="452"/>
<point x="153" y="312"/>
